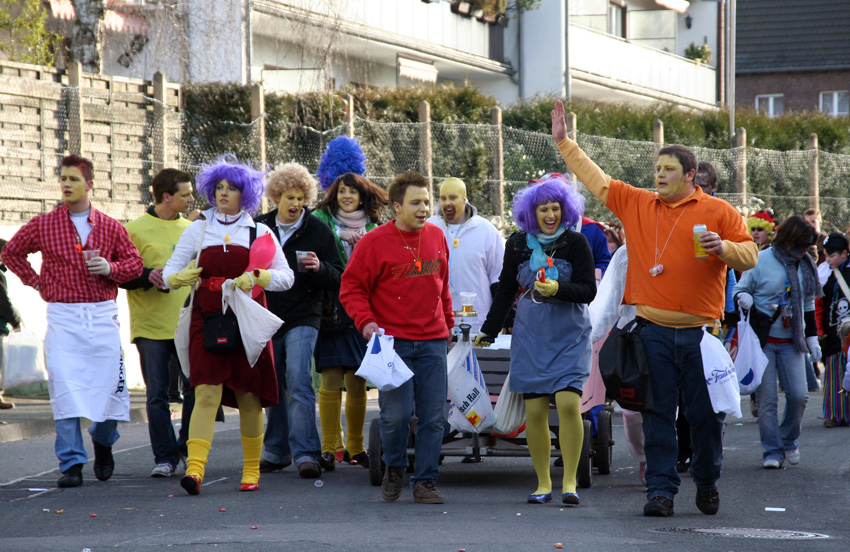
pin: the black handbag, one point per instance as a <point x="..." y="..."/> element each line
<point x="761" y="323"/>
<point x="624" y="368"/>
<point x="221" y="332"/>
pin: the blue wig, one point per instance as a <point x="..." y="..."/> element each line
<point x="343" y="155"/>
<point x="552" y="187"/>
<point x="243" y="177"/>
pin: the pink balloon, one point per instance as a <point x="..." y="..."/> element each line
<point x="260" y="256"/>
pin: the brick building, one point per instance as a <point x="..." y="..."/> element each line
<point x="793" y="56"/>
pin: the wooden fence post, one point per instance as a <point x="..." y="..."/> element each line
<point x="658" y="134"/>
<point x="572" y="132"/>
<point x="498" y="160"/>
<point x="160" y="138"/>
<point x="348" y="115"/>
<point x="740" y="144"/>
<point x="814" y="183"/>
<point x="426" y="154"/>
<point x="74" y="105"/>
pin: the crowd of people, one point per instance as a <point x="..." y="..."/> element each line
<point x="338" y="273"/>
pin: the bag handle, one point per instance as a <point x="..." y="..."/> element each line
<point x="197" y="260"/>
<point x="842" y="283"/>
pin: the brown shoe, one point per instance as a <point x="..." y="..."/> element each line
<point x="829" y="423"/>
<point x="5" y="405"/>
<point x="309" y="470"/>
<point x="425" y="492"/>
<point x="392" y="483"/>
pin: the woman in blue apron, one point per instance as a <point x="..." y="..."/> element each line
<point x="553" y="267"/>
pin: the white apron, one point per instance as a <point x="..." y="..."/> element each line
<point x="85" y="363"/>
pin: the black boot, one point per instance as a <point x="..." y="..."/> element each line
<point x="104" y="464"/>
<point x="72" y="477"/>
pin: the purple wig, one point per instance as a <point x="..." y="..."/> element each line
<point x="245" y="178"/>
<point x="343" y="155"/>
<point x="552" y="187"/>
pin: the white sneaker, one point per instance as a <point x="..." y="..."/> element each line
<point x="163" y="470"/>
<point x="771" y="464"/>
<point x="793" y="456"/>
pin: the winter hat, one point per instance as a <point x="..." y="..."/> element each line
<point x="762" y="219"/>
<point x="343" y="155"/>
<point x="835" y="243"/>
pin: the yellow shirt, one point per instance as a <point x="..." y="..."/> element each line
<point x="154" y="313"/>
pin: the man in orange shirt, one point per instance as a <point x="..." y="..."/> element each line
<point x="675" y="293"/>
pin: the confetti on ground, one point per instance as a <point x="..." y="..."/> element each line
<point x="461" y="550"/>
<point x="36" y="490"/>
<point x="222" y="509"/>
<point x="170" y="496"/>
<point x="558" y="545"/>
<point x="92" y="515"/>
<point x="45" y="509"/>
<point x="255" y="527"/>
<point x="769" y="509"/>
<point x="60" y="511"/>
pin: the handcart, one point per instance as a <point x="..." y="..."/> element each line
<point x="495" y="365"/>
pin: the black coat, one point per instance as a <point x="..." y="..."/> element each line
<point x="570" y="246"/>
<point x="831" y="345"/>
<point x="301" y="305"/>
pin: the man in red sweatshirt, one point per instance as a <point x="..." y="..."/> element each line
<point x="397" y="279"/>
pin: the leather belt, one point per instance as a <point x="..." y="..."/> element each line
<point x="213" y="283"/>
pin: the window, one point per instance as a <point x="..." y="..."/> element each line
<point x="617" y="18"/>
<point x="835" y="103"/>
<point x="772" y="104"/>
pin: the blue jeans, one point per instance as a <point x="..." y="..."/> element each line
<point x="425" y="394"/>
<point x="291" y="424"/>
<point x="69" y="440"/>
<point x="675" y="364"/>
<point x="156" y="356"/>
<point x="811" y="378"/>
<point x="786" y="362"/>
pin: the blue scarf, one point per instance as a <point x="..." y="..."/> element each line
<point x="538" y="258"/>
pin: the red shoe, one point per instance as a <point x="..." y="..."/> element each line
<point x="191" y="483"/>
<point x="249" y="486"/>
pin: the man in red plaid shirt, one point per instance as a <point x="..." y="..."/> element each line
<point x="85" y="254"/>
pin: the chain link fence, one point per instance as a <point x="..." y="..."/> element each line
<point x="130" y="135"/>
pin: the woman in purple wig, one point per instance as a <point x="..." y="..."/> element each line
<point x="550" y="347"/>
<point x="220" y="374"/>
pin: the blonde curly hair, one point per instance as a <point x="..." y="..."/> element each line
<point x="291" y="175"/>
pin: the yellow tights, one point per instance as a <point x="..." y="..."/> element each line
<point x="201" y="427"/>
<point x="330" y="399"/>
<point x="540" y="440"/>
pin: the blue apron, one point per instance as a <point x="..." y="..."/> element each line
<point x="550" y="347"/>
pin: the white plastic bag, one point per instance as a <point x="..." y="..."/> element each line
<point x="750" y="361"/>
<point x="720" y="376"/>
<point x="257" y="324"/>
<point x="509" y="411"/>
<point x="381" y="365"/>
<point x="181" y="337"/>
<point x="471" y="409"/>
<point x="24" y="362"/>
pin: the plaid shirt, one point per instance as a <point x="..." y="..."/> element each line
<point x="64" y="277"/>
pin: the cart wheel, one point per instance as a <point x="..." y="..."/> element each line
<point x="585" y="465"/>
<point x="376" y="465"/>
<point x="603" y="454"/>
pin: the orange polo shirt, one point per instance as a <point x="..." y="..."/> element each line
<point x="688" y="292"/>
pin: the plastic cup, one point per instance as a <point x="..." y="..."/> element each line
<point x="90" y="254"/>
<point x="300" y="257"/>
<point x="467" y="300"/>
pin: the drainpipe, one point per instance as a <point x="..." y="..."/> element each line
<point x="567" y="78"/>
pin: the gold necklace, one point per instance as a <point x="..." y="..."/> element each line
<point x="659" y="268"/>
<point x="418" y="261"/>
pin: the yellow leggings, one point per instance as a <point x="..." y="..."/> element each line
<point x="201" y="427"/>
<point x="540" y="441"/>
<point x="330" y="406"/>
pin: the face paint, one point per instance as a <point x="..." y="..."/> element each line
<point x="414" y="209"/>
<point x="290" y="205"/>
<point x="549" y="217"/>
<point x="73" y="186"/>
<point x="348" y="198"/>
<point x="453" y="200"/>
<point x="671" y="183"/>
<point x="228" y="198"/>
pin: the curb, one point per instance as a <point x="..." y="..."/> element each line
<point x="39" y="427"/>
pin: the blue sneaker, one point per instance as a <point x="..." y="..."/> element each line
<point x="540" y="498"/>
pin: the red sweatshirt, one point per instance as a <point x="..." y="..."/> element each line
<point x="381" y="283"/>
